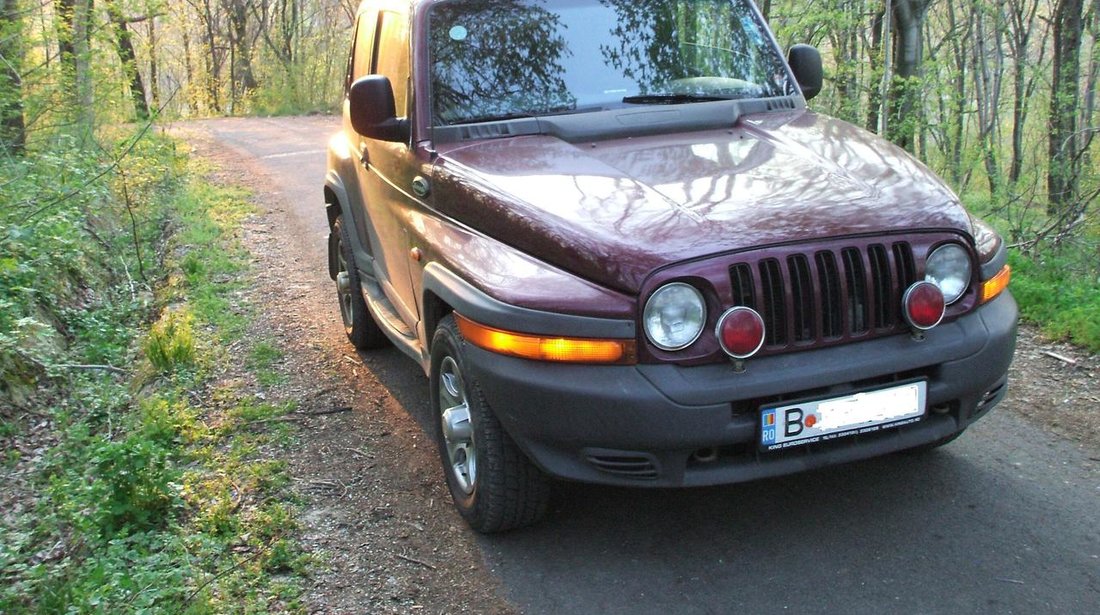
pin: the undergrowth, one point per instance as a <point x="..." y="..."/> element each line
<point x="1055" y="283"/>
<point x="133" y="482"/>
<point x="1055" y="293"/>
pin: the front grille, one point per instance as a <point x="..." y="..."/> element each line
<point x="826" y="295"/>
<point x="638" y="466"/>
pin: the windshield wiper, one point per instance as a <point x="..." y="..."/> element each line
<point x="669" y="99"/>
<point x="519" y="115"/>
<point x="500" y="117"/>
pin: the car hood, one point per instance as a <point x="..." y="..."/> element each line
<point x="616" y="211"/>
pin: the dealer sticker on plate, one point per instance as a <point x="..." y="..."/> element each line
<point x="837" y="417"/>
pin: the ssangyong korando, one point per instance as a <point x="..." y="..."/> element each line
<point x="624" y="251"/>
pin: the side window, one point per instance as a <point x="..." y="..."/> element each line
<point x="392" y="58"/>
<point x="364" y="44"/>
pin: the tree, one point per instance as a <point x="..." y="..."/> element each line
<point x="242" y="79"/>
<point x="904" y="94"/>
<point x="987" y="23"/>
<point x="13" y="132"/>
<point x="1064" y="145"/>
<point x="82" y="69"/>
<point x="128" y="57"/>
<point x="1021" y="26"/>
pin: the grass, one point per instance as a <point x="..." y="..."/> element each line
<point x="1063" y="302"/>
<point x="170" y="343"/>
<point x="150" y="495"/>
<point x="211" y="261"/>
<point x="262" y="360"/>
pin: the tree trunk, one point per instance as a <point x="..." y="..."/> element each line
<point x="958" y="104"/>
<point x="1088" y="107"/>
<point x="189" y="73"/>
<point x="1062" y="176"/>
<point x="1021" y="24"/>
<point x="82" y="65"/>
<point x="874" y="98"/>
<point x="846" y="77"/>
<point x="988" y="67"/>
<point x="73" y="27"/>
<point x="13" y="131"/>
<point x="128" y="59"/>
<point x="240" y="48"/>
<point x="154" y="87"/>
<point x="904" y="93"/>
<point x="211" y="59"/>
<point x="64" y="29"/>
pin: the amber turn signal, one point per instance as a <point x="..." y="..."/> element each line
<point x="555" y="349"/>
<point x="996" y="285"/>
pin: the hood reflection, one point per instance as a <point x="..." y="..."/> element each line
<point x="615" y="211"/>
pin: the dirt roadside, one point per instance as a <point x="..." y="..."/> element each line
<point x="376" y="513"/>
<point x="1055" y="385"/>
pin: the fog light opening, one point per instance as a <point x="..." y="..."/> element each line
<point x="705" y="455"/>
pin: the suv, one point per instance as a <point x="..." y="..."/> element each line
<point x="625" y="252"/>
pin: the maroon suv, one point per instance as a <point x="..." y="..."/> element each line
<point x="625" y="252"/>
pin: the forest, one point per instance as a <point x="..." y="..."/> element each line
<point x="118" y="266"/>
<point x="997" y="96"/>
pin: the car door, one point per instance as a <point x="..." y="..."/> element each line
<point x="387" y="170"/>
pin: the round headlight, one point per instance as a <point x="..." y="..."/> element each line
<point x="949" y="268"/>
<point x="674" y="316"/>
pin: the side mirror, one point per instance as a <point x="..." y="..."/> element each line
<point x="371" y="106"/>
<point x="805" y="62"/>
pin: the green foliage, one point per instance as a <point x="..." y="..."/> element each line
<point x="300" y="90"/>
<point x="101" y="340"/>
<point x="170" y="343"/>
<point x="144" y="502"/>
<point x="101" y="487"/>
<point x="1054" y="294"/>
<point x="68" y="243"/>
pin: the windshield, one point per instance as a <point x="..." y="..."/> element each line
<point x="496" y="59"/>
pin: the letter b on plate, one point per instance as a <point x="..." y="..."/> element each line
<point x="792" y="422"/>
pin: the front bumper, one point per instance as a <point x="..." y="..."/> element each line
<point x="668" y="426"/>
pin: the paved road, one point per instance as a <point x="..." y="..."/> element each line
<point x="1005" y="520"/>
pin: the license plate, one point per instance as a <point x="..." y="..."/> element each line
<point x="823" y="420"/>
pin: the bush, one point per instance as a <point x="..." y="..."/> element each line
<point x="1054" y="294"/>
<point x="171" y="341"/>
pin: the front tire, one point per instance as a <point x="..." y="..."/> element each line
<point x="359" y="325"/>
<point x="494" y="486"/>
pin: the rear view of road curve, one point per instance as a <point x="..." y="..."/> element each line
<point x="1004" y="520"/>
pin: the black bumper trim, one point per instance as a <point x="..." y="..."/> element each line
<point x="556" y="412"/>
